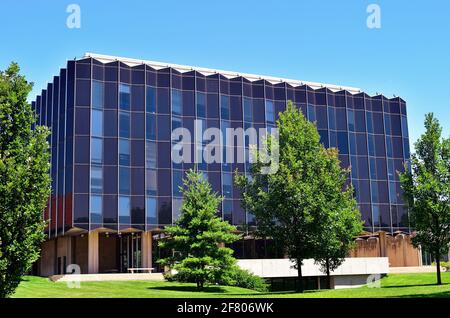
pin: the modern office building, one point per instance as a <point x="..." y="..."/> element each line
<point x="115" y="186"/>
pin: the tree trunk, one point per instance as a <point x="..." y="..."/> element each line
<point x="328" y="274"/>
<point x="438" y="268"/>
<point x="300" y="287"/>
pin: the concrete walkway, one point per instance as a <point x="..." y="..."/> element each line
<point x="106" y="277"/>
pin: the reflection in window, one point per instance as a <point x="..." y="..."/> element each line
<point x="201" y="105"/>
<point x="151" y="99"/>
<point x="150" y="154"/>
<point x="96" y="150"/>
<point x="270" y="112"/>
<point x="176" y="208"/>
<point x="124" y="209"/>
<point x="227" y="209"/>
<point x="124" y="180"/>
<point x="124" y="96"/>
<point x="374" y="191"/>
<point x="151" y="209"/>
<point x="311" y="113"/>
<point x="248" y="112"/>
<point x="227" y="184"/>
<point x="369" y="122"/>
<point x="404" y="127"/>
<point x="124" y="125"/>
<point x="177" y="182"/>
<point x="124" y="152"/>
<point x="96" y="208"/>
<point x="151" y="127"/>
<point x="177" y="102"/>
<point x="224" y="107"/>
<point x="97" y="94"/>
<point x="96" y="179"/>
<point x="97" y="123"/>
<point x="376" y="215"/>
<point x="351" y="120"/>
<point x="151" y="185"/>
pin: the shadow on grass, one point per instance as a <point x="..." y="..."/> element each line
<point x="415" y="285"/>
<point x="445" y="294"/>
<point x="190" y="289"/>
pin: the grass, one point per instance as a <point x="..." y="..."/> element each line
<point x="394" y="285"/>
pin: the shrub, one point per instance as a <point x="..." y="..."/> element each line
<point x="243" y="278"/>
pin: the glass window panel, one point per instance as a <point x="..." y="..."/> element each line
<point x="124" y="180"/>
<point x="404" y="127"/>
<point x="392" y="193"/>
<point x="351" y="120"/>
<point x="97" y="94"/>
<point x="376" y="215"/>
<point x="373" y="168"/>
<point x="342" y="142"/>
<point x="97" y="123"/>
<point x="152" y="212"/>
<point x="177" y="100"/>
<point x="227" y="184"/>
<point x="151" y="183"/>
<point x="270" y="112"/>
<point x="224" y="107"/>
<point x="151" y="99"/>
<point x="96" y="209"/>
<point x="96" y="150"/>
<point x="248" y="110"/>
<point x="311" y="113"/>
<point x="331" y="118"/>
<point x="151" y="127"/>
<point x="124" y="152"/>
<point x="201" y="105"/>
<point x="369" y="122"/>
<point x="137" y="125"/>
<point x="110" y="179"/>
<point x="82" y="118"/>
<point x="124" y="209"/>
<point x="374" y="191"/>
<point x="177" y="182"/>
<point x="96" y="179"/>
<point x="110" y="123"/>
<point x="124" y="96"/>
<point x="164" y="182"/>
<point x="227" y="210"/>
<point x="371" y="141"/>
<point x="387" y="124"/>
<point x="176" y="208"/>
<point x="124" y="125"/>
<point x="110" y="209"/>
<point x="150" y="154"/>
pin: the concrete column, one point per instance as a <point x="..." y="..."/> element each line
<point x="147" y="249"/>
<point x="93" y="252"/>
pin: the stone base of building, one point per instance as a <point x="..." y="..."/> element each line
<point x="111" y="252"/>
<point x="397" y="248"/>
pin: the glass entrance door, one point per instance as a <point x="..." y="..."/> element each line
<point x="130" y="252"/>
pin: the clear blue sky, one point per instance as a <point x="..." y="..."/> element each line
<point x="325" y="41"/>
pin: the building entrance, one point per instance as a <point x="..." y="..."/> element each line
<point x="130" y="247"/>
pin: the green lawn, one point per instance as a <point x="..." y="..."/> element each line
<point x="394" y="285"/>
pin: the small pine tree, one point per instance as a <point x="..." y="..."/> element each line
<point x="198" y="238"/>
<point x="24" y="180"/>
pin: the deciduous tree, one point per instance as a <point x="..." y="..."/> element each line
<point x="24" y="180"/>
<point x="427" y="191"/>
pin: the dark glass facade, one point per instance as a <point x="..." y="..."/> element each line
<point x="111" y="142"/>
